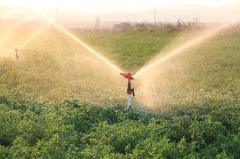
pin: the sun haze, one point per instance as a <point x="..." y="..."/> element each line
<point x="206" y="10"/>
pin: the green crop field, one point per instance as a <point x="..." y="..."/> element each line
<point x="130" y="49"/>
<point x="59" y="101"/>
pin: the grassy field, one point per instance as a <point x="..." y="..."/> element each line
<point x="48" y="99"/>
<point x="130" y="49"/>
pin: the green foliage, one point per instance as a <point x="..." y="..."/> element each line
<point x="72" y="129"/>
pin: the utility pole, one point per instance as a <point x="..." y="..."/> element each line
<point x="196" y="20"/>
<point x="97" y="23"/>
<point x="155" y="16"/>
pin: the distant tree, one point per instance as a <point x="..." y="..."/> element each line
<point x="140" y="27"/>
<point x="123" y="27"/>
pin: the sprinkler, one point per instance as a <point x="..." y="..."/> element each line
<point x="16" y="54"/>
<point x="130" y="90"/>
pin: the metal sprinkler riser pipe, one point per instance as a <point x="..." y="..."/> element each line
<point x="130" y="90"/>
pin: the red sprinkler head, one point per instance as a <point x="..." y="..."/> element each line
<point x="128" y="76"/>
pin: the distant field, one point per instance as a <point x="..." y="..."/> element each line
<point x="130" y="50"/>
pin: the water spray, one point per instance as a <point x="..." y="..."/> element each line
<point x="8" y="31"/>
<point x="205" y="35"/>
<point x="82" y="43"/>
<point x="34" y="35"/>
<point x="130" y="90"/>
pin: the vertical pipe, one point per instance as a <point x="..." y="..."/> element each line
<point x="129" y="101"/>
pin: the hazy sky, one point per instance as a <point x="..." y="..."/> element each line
<point x="131" y="10"/>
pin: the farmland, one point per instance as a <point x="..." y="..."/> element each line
<point x="48" y="99"/>
<point x="133" y="49"/>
